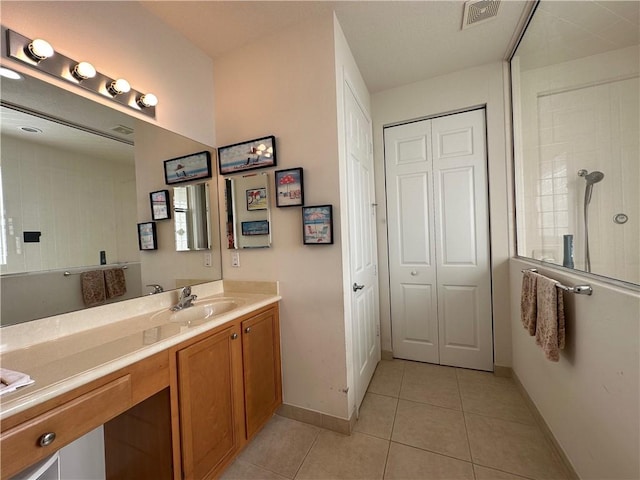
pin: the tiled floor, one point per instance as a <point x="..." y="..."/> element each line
<point x="417" y="421"/>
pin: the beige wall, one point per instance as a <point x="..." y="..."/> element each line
<point x="122" y="39"/>
<point x="284" y="85"/>
<point x="165" y="266"/>
<point x="589" y="399"/>
<point x="462" y="90"/>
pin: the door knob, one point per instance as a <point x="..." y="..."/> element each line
<point x="357" y="287"/>
<point x="414" y="273"/>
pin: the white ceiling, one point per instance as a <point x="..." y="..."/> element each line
<point x="51" y="102"/>
<point x="563" y="31"/>
<point x="394" y="42"/>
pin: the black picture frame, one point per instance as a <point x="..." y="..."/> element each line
<point x="257" y="227"/>
<point x="317" y="225"/>
<point x="249" y="155"/>
<point x="289" y="187"/>
<point x="160" y="208"/>
<point x="257" y="199"/>
<point x="187" y="168"/>
<point x="147" y="236"/>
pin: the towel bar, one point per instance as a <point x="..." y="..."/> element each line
<point x="578" y="289"/>
<point x="68" y="273"/>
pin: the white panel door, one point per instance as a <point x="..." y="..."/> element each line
<point x="462" y="235"/>
<point x="362" y="245"/>
<point x="412" y="265"/>
<point x="438" y="232"/>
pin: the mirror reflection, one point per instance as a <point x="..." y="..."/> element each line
<point x="576" y="118"/>
<point x="192" y="218"/>
<point x="76" y="178"/>
<point x="248" y="212"/>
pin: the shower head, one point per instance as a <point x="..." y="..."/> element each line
<point x="594" y="177"/>
<point x="591" y="178"/>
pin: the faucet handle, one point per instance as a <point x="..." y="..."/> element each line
<point x="186" y="291"/>
<point x="156" y="288"/>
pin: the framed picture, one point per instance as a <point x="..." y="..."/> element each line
<point x="289" y="189"/>
<point x="187" y="168"/>
<point x="257" y="199"/>
<point x="147" y="238"/>
<point x="160" y="205"/>
<point x="258" y="153"/>
<point x="317" y="225"/>
<point x="259" y="227"/>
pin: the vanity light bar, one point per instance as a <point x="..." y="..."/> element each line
<point x="82" y="74"/>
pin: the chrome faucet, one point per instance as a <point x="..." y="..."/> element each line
<point x="185" y="299"/>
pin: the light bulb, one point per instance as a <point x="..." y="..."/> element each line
<point x="83" y="70"/>
<point x="40" y="49"/>
<point x="7" y="73"/>
<point x="148" y="100"/>
<point x="118" y="87"/>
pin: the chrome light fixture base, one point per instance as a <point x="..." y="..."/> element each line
<point x="63" y="67"/>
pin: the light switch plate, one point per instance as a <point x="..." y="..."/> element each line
<point x="207" y="259"/>
<point x="235" y="259"/>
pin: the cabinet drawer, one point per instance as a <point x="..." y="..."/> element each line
<point x="21" y="445"/>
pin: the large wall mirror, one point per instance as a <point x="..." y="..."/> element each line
<point x="576" y="85"/>
<point x="76" y="178"/>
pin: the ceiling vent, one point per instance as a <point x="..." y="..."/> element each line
<point x="479" y="11"/>
<point x="122" y="129"/>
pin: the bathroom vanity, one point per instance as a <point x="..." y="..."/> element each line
<point x="179" y="395"/>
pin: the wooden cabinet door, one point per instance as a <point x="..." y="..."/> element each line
<point x="210" y="398"/>
<point x="262" y="377"/>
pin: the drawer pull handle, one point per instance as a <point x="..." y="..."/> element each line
<point x="234" y="336"/>
<point x="247" y="330"/>
<point x="47" y="439"/>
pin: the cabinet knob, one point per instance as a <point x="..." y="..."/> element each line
<point x="47" y="439"/>
<point x="247" y="330"/>
<point x="234" y="336"/>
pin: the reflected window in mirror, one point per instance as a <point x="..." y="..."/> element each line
<point x="576" y="144"/>
<point x="191" y="217"/>
<point x="248" y="211"/>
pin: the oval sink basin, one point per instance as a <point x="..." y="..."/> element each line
<point x="199" y="312"/>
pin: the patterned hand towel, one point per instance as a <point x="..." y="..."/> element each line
<point x="528" y="301"/>
<point x="550" y="331"/>
<point x="115" y="282"/>
<point x="93" y="289"/>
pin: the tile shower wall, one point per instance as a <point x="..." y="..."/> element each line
<point x="584" y="121"/>
<point x="78" y="204"/>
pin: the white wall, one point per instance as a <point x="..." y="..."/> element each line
<point x="461" y="90"/>
<point x="73" y="199"/>
<point x="581" y="114"/>
<point x="122" y="39"/>
<point x="284" y="85"/>
<point x="589" y="399"/>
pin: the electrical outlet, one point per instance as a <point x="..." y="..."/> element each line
<point x="235" y="259"/>
<point x="207" y="259"/>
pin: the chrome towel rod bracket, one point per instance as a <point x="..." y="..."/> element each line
<point x="577" y="289"/>
<point x="68" y="273"/>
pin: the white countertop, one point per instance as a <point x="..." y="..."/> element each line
<point x="61" y="354"/>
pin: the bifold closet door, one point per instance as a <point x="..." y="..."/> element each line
<point x="438" y="234"/>
<point x="412" y="263"/>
